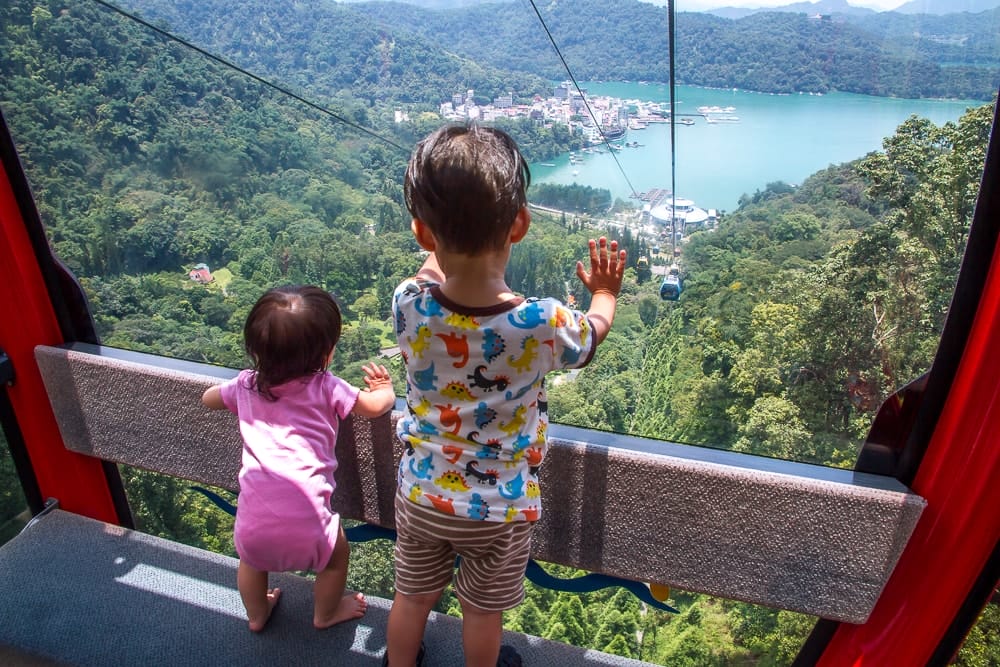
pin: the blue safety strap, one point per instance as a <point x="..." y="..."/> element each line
<point x="587" y="583"/>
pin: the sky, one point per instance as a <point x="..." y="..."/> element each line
<point x="701" y="5"/>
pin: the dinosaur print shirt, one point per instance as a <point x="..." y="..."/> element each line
<point x="474" y="435"/>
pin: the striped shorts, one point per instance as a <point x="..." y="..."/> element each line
<point x="493" y="554"/>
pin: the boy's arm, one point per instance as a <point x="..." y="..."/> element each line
<point x="212" y="398"/>
<point x="379" y="395"/>
<point x="603" y="281"/>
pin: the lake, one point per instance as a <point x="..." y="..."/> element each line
<point x="777" y="138"/>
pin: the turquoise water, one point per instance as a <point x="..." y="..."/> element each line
<point x="778" y="138"/>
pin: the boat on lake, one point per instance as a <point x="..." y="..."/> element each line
<point x="613" y="132"/>
<point x="715" y="109"/>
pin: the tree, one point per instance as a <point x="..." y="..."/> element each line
<point x="689" y="648"/>
<point x="565" y="622"/>
<point x="371" y="568"/>
<point x="167" y="507"/>
<point x="773" y="427"/>
<point x="367" y="307"/>
<point x="649" y="307"/>
<point x="530" y="619"/>
<point x="619" y="646"/>
<point x="617" y="632"/>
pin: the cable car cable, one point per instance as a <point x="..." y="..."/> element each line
<point x="259" y="79"/>
<point x="673" y="135"/>
<point x="572" y="78"/>
<point x="672" y="284"/>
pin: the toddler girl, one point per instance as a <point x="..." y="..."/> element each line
<point x="289" y="408"/>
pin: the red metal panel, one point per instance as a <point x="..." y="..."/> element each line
<point x="27" y="320"/>
<point x="961" y="524"/>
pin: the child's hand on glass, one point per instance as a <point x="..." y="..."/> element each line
<point x="607" y="264"/>
<point x="376" y="377"/>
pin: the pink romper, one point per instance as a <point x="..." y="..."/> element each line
<point x="283" y="517"/>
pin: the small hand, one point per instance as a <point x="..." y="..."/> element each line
<point x="606" y="267"/>
<point x="376" y="377"/>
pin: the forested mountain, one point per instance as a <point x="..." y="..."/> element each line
<point x="966" y="39"/>
<point x="405" y="53"/>
<point x="777" y="52"/>
<point x="946" y="6"/>
<point x="329" y="50"/>
<point x="841" y="7"/>
<point x="770" y="52"/>
<point x="845" y="8"/>
<point x="809" y="7"/>
<point x="439" y="4"/>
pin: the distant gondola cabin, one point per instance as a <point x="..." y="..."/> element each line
<point x="671" y="287"/>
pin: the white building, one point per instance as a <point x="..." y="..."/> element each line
<point x="686" y="216"/>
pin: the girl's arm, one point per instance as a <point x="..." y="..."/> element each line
<point x="212" y="398"/>
<point x="379" y="395"/>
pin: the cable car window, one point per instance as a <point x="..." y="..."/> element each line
<point x="790" y="272"/>
<point x="13" y="505"/>
<point x="177" y="186"/>
<point x="980" y="646"/>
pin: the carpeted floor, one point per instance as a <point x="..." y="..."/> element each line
<point x="80" y="592"/>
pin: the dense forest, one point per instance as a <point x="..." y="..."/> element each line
<point x="801" y="312"/>
<point x="336" y="54"/>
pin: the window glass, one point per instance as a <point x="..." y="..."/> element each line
<point x="803" y="274"/>
<point x="13" y="505"/>
<point x="180" y="511"/>
<point x="981" y="646"/>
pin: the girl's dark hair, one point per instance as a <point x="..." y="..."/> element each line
<point x="289" y="334"/>
<point x="467" y="184"/>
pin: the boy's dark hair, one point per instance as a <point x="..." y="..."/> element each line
<point x="289" y="333"/>
<point x="467" y="184"/>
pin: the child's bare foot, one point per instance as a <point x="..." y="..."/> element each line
<point x="352" y="606"/>
<point x="256" y="625"/>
